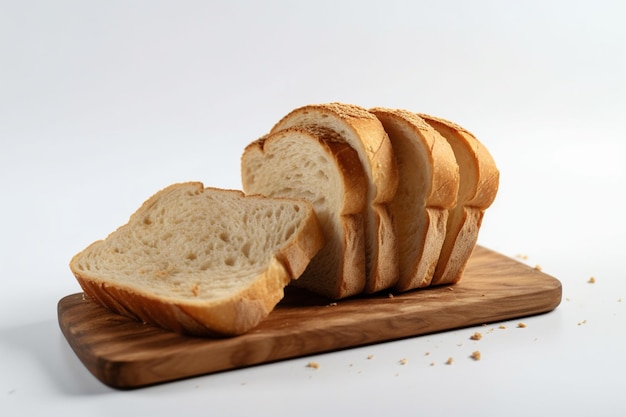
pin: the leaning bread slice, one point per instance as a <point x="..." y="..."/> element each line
<point x="364" y="132"/>
<point x="201" y="260"/>
<point x="317" y="165"/>
<point x="477" y="190"/>
<point x="428" y="186"/>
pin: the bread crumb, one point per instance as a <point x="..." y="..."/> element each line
<point x="313" y="365"/>
<point x="404" y="361"/>
<point x="450" y="288"/>
<point x="619" y="300"/>
<point x="538" y="267"/>
<point x="432" y="364"/>
<point x="390" y="295"/>
<point x="370" y="357"/>
<point x="521" y="256"/>
<point x="521" y="325"/>
<point x="476" y="355"/>
<point x="476" y="336"/>
<point x="592" y="280"/>
<point x="332" y="304"/>
<point x="449" y="361"/>
<point x="427" y="353"/>
<point x="502" y="327"/>
<point x="582" y="322"/>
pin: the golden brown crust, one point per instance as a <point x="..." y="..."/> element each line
<point x="373" y="136"/>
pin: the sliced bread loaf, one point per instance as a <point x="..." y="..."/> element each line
<point x="315" y="164"/>
<point x="477" y="190"/>
<point x="366" y="135"/>
<point x="427" y="189"/>
<point x="201" y="260"/>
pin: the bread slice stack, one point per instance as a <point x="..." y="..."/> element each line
<point x="429" y="184"/>
<point x="337" y="199"/>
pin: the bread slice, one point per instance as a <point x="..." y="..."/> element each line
<point x="315" y="164"/>
<point x="201" y="261"/>
<point x="477" y="190"/>
<point x="364" y="132"/>
<point x="427" y="189"/>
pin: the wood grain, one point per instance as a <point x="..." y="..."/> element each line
<point x="126" y="354"/>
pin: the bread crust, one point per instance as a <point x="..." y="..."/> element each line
<point x="349" y="278"/>
<point x="478" y="189"/>
<point x="429" y="181"/>
<point x="366" y="135"/>
<point x="228" y="316"/>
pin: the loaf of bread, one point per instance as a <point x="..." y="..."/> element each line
<point x="339" y="200"/>
<point x="364" y="132"/>
<point x="427" y="190"/>
<point x="316" y="164"/>
<point x="201" y="261"/>
<point x="479" y="181"/>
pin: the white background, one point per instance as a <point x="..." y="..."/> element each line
<point x="102" y="103"/>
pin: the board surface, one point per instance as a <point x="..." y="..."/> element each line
<point x="126" y="354"/>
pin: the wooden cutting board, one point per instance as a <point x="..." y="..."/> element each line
<point x="126" y="354"/>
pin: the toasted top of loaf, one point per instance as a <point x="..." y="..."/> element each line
<point x="316" y="164"/>
<point x="366" y="136"/>
<point x="480" y="179"/>
<point x="201" y="260"/>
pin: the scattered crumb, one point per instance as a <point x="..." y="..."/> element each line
<point x="450" y="288"/>
<point x="370" y="357"/>
<point x="521" y="325"/>
<point x="195" y="289"/>
<point x="313" y="365"/>
<point x="476" y="355"/>
<point x="582" y="322"/>
<point x="427" y="353"/>
<point x="592" y="280"/>
<point x="404" y="361"/>
<point x="459" y="344"/>
<point x="619" y="300"/>
<point x="449" y="361"/>
<point x="432" y="364"/>
<point x="390" y="295"/>
<point x="332" y="304"/>
<point x="567" y="299"/>
<point x="502" y="327"/>
<point x="521" y="256"/>
<point x="476" y="336"/>
<point x="538" y="267"/>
